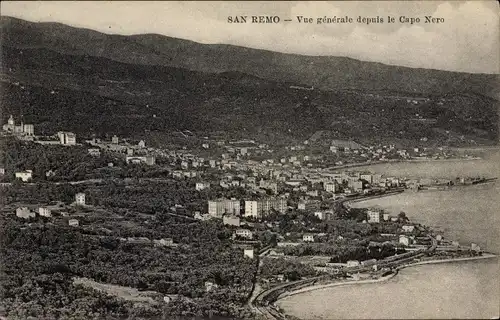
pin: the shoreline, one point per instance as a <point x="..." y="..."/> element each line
<point x="385" y="278"/>
<point x="390" y="161"/>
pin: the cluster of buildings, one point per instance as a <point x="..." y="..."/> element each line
<point x="23" y="129"/>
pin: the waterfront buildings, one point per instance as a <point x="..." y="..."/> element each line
<point x="331" y="187"/>
<point x="374" y="216"/>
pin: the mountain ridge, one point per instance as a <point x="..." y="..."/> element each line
<point x="325" y="72"/>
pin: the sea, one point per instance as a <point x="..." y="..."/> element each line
<point x="460" y="290"/>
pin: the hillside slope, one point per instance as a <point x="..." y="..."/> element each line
<point x="91" y="94"/>
<point x="329" y="73"/>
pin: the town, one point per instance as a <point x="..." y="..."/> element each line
<point x="241" y="221"/>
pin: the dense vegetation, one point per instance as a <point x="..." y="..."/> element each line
<point x="291" y="270"/>
<point x="134" y="100"/>
<point x="45" y="256"/>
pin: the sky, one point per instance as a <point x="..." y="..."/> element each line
<point x="468" y="40"/>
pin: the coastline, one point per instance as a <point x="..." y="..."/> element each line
<point x="378" y="162"/>
<point x="385" y="278"/>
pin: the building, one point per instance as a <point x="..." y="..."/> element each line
<point x="67" y="138"/>
<point x="345" y="145"/>
<point x="408" y="228"/>
<point x="367" y="177"/>
<point x="22" y="129"/>
<point x="231" y="220"/>
<point x="308" y="238"/>
<point x="262" y="207"/>
<point x="352" y="263"/>
<point x="115" y="139"/>
<point x="165" y="242"/>
<point x="244" y="233"/>
<point x="404" y="240"/>
<point x="29" y="130"/>
<point x="141" y="144"/>
<point x="80" y="199"/>
<point x="209" y="286"/>
<point x="25" y="175"/>
<point x="25" y="213"/>
<point x="323" y="215"/>
<point x="309" y="205"/>
<point x="202" y="186"/>
<point x="95" y="152"/>
<point x="253" y="208"/>
<point x="374" y="216"/>
<point x="217" y="208"/>
<point x="73" y="222"/>
<point x="331" y="187"/>
<point x="355" y="185"/>
<point x="149" y="160"/>
<point x="44" y="212"/>
<point x="2" y="171"/>
<point x="248" y="253"/>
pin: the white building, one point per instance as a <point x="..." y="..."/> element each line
<point x="25" y="213"/>
<point x="248" y="253"/>
<point x="217" y="208"/>
<point x="408" y="228"/>
<point x="244" y="233"/>
<point x="330" y="187"/>
<point x="73" y="222"/>
<point x="352" y="263"/>
<point x="22" y="129"/>
<point x="231" y="221"/>
<point x="44" y="212"/>
<point x="95" y="152"/>
<point x="308" y="238"/>
<point x="25" y="175"/>
<point x="114" y="139"/>
<point x="202" y="186"/>
<point x="149" y="160"/>
<point x="262" y="207"/>
<point x="374" y="216"/>
<point x="67" y="138"/>
<point x="404" y="240"/>
<point x="322" y="215"/>
<point x="141" y="144"/>
<point x="80" y="199"/>
<point x="367" y="177"/>
<point x="253" y="208"/>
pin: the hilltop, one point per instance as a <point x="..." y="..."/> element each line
<point x="324" y="72"/>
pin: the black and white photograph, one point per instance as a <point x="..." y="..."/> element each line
<point x="267" y="160"/>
